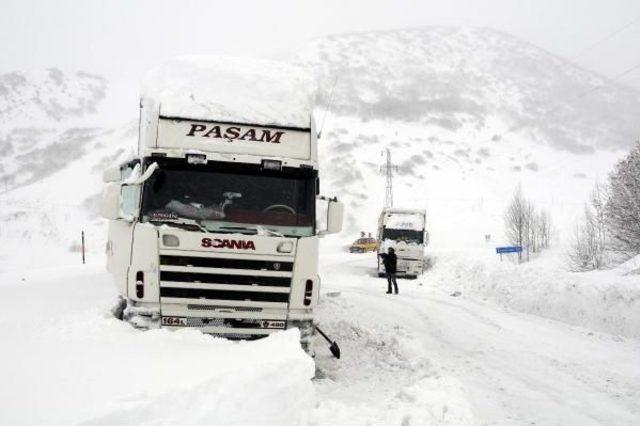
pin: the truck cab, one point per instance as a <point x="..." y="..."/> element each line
<point x="404" y="230"/>
<point x="213" y="224"/>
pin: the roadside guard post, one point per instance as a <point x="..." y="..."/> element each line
<point x="508" y="249"/>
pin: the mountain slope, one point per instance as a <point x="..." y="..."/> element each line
<point x="54" y="144"/>
<point x="459" y="79"/>
<point x="468" y="115"/>
<point x="46" y="118"/>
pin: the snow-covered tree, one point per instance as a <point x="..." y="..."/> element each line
<point x="589" y="248"/>
<point x="622" y="209"/>
<point x="544" y="226"/>
<point x="531" y="229"/>
<point x="515" y="220"/>
<point x="525" y="226"/>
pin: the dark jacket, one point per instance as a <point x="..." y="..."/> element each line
<point x="390" y="262"/>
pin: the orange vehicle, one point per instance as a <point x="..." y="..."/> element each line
<point x="363" y="245"/>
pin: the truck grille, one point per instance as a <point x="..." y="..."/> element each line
<point x="194" y="279"/>
<point x="209" y="262"/>
<point x="201" y="293"/>
<point x="189" y="277"/>
<point x="215" y="308"/>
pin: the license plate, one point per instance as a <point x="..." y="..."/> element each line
<point x="174" y="321"/>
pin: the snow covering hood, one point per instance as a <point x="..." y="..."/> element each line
<point x="232" y="89"/>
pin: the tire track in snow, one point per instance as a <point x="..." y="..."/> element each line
<point x="513" y="367"/>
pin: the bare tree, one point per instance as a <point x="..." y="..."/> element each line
<point x="515" y="220"/>
<point x="598" y="201"/>
<point x="531" y="235"/>
<point x="525" y="226"/>
<point x="622" y="209"/>
<point x="589" y="248"/>
<point x="544" y="228"/>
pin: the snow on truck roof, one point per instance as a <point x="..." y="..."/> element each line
<point x="232" y="89"/>
<point x="409" y="219"/>
<point x="404" y="211"/>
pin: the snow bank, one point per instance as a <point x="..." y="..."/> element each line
<point x="630" y="267"/>
<point x="607" y="301"/>
<point x="65" y="361"/>
<point x="232" y="89"/>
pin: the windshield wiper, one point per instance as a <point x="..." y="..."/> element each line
<point x="257" y="229"/>
<point x="260" y="229"/>
<point x="183" y="222"/>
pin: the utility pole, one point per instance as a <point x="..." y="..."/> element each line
<point x="388" y="168"/>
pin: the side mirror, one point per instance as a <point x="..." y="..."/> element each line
<point x="335" y="212"/>
<point x="112" y="174"/>
<point x="110" y="203"/>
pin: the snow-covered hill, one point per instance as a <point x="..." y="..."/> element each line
<point x="477" y="80"/>
<point x="46" y="118"/>
<point x="47" y="97"/>
<point x="468" y="114"/>
<point x="54" y="144"/>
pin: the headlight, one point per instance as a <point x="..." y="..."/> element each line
<point x="169" y="240"/>
<point x="285" y="247"/>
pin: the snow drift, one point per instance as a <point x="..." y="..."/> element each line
<point x="607" y="301"/>
<point x="72" y="363"/>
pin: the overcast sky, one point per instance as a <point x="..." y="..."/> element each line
<point x="123" y="38"/>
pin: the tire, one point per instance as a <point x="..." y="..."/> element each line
<point x="117" y="310"/>
<point x="141" y="318"/>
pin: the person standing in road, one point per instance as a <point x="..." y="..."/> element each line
<point x="390" y="262"/>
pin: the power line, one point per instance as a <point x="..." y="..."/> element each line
<point x="573" y="98"/>
<point x="587" y="92"/>
<point x="608" y="37"/>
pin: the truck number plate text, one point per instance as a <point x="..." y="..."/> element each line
<point x="272" y="324"/>
<point x="174" y="321"/>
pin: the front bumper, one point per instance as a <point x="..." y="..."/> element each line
<point x="405" y="268"/>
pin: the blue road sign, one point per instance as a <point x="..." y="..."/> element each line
<point x="512" y="249"/>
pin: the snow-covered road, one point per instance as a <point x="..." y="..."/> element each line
<point x="426" y="357"/>
<point x="422" y="357"/>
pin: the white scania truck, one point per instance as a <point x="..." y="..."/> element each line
<point x="213" y="224"/>
<point x="404" y="230"/>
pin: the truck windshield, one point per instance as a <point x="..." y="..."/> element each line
<point x="405" y="235"/>
<point x="231" y="201"/>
